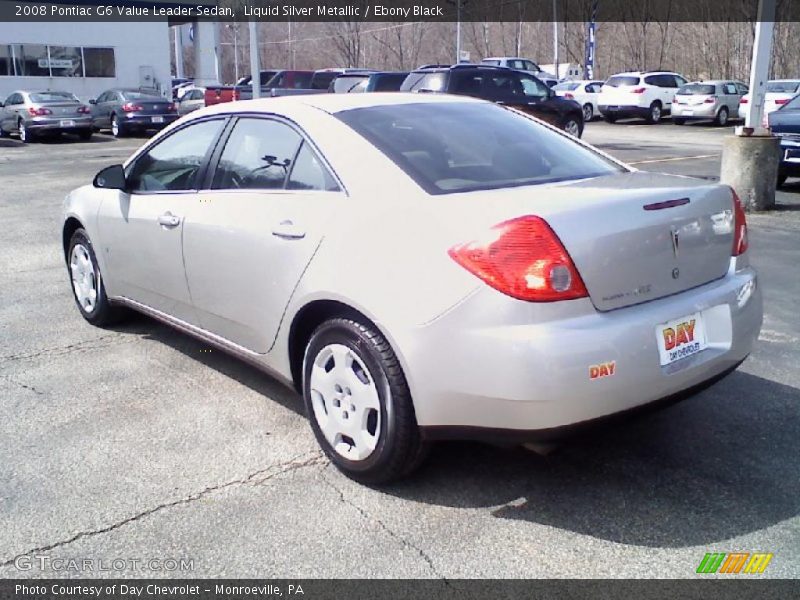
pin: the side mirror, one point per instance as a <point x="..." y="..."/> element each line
<point x="111" y="178"/>
<point x="92" y="100"/>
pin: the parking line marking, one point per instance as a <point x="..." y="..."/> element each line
<point x="672" y="158"/>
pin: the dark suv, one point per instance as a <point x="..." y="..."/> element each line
<point x="504" y="86"/>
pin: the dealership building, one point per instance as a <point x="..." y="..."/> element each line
<point x="84" y="58"/>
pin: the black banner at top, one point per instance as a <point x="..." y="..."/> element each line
<point x="396" y="10"/>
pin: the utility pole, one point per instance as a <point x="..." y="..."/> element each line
<point x="555" y="39"/>
<point x="255" y="61"/>
<point x="458" y="31"/>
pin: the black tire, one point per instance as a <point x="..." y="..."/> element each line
<point x="26" y="136"/>
<point x="573" y="125"/>
<point x="399" y="449"/>
<point x="782" y="177"/>
<point x="722" y="117"/>
<point x="120" y="128"/>
<point x="588" y="112"/>
<point x="655" y="113"/>
<point x="103" y="313"/>
<point x="610" y="119"/>
<point x="86" y="135"/>
<point x="678" y="121"/>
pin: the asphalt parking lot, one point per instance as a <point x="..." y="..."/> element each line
<point x="139" y="443"/>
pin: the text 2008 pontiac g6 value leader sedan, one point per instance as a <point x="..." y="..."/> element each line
<point x="420" y="267"/>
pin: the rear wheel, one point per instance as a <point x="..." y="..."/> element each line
<point x="87" y="283"/>
<point x="117" y="128"/>
<point x="573" y="127"/>
<point x="654" y="114"/>
<point x="359" y="403"/>
<point x="25" y="134"/>
<point x="588" y="113"/>
<point x="722" y="117"/>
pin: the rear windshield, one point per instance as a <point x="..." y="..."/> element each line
<point x="488" y="61"/>
<point x="566" y="87"/>
<point x="432" y="82"/>
<point x="53" y="97"/>
<point x="130" y="95"/>
<point x="783" y="87"/>
<point x="347" y="83"/>
<point x="388" y="82"/>
<point x="499" y="149"/>
<point x="697" y="89"/>
<point x="619" y="80"/>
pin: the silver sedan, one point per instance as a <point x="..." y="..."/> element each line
<point x="31" y="114"/>
<point x="420" y="267"/>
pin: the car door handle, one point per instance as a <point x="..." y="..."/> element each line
<point x="288" y="231"/>
<point x="169" y="220"/>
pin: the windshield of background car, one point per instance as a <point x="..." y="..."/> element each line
<point x="347" y="83"/>
<point x="619" y="80"/>
<point x="783" y="87"/>
<point x="53" y="97"/>
<point x="566" y="87"/>
<point x="431" y="82"/>
<point x="696" y="89"/>
<point x="499" y="148"/>
<point x="129" y="95"/>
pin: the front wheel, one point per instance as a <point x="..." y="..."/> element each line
<point x="359" y="404"/>
<point x="87" y="284"/>
<point x="588" y="113"/>
<point x="654" y="114"/>
<point x="25" y="134"/>
<point x="117" y="129"/>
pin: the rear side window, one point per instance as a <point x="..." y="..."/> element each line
<point x="429" y="82"/>
<point x="499" y="149"/>
<point x="258" y="155"/>
<point x="308" y="173"/>
<point x="174" y="162"/>
<point x="321" y="81"/>
<point x="619" y="80"/>
<point x="567" y="86"/>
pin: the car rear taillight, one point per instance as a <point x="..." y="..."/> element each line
<point x="131" y="107"/>
<point x="522" y="258"/>
<point x="744" y="101"/>
<point x="172" y="107"/>
<point x="39" y="112"/>
<point x="739" y="226"/>
<point x="84" y="110"/>
<point x="710" y="100"/>
<point x="781" y="101"/>
<point x="638" y="91"/>
<point x="569" y="96"/>
<point x="236" y="95"/>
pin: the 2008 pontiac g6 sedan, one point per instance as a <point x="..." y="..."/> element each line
<point x="420" y="267"/>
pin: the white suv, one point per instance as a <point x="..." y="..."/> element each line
<point x="645" y="95"/>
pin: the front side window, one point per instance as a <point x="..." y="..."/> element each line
<point x="499" y="149"/>
<point x="173" y="163"/>
<point x="258" y="155"/>
<point x="533" y="88"/>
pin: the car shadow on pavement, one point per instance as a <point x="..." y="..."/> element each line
<point x="228" y="365"/>
<point x="721" y="464"/>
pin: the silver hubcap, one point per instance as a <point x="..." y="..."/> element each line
<point x="114" y="126"/>
<point x="345" y="402"/>
<point x="84" y="281"/>
<point x="572" y="128"/>
<point x="656" y="112"/>
<point x="723" y="117"/>
<point x="587" y="113"/>
<point x="23" y="132"/>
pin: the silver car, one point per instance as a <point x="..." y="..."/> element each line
<point x="191" y="100"/>
<point x="708" y="100"/>
<point x="416" y="279"/>
<point x="31" y="114"/>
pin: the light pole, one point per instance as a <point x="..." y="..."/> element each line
<point x="255" y="60"/>
<point x="235" y="28"/>
<point x="555" y="39"/>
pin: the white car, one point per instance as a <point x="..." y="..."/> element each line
<point x="521" y="64"/>
<point x="779" y="92"/>
<point x="584" y="93"/>
<point x="646" y="95"/>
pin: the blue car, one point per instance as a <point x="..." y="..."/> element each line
<point x="785" y="123"/>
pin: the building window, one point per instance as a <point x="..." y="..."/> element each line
<point x="65" y="61"/>
<point x="38" y="60"/>
<point x="99" y="62"/>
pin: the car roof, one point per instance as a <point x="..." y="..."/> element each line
<point x="335" y="103"/>
<point x="641" y="73"/>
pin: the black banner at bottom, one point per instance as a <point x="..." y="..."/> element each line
<point x="363" y="589"/>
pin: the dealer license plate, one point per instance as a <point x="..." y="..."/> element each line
<point x="681" y="338"/>
<point x="67" y="123"/>
<point x="158" y="119"/>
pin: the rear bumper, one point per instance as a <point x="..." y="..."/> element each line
<point x="790" y="158"/>
<point x="137" y="121"/>
<point x="533" y="373"/>
<point x="624" y="111"/>
<point x="42" y="124"/>
<point x="697" y="111"/>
